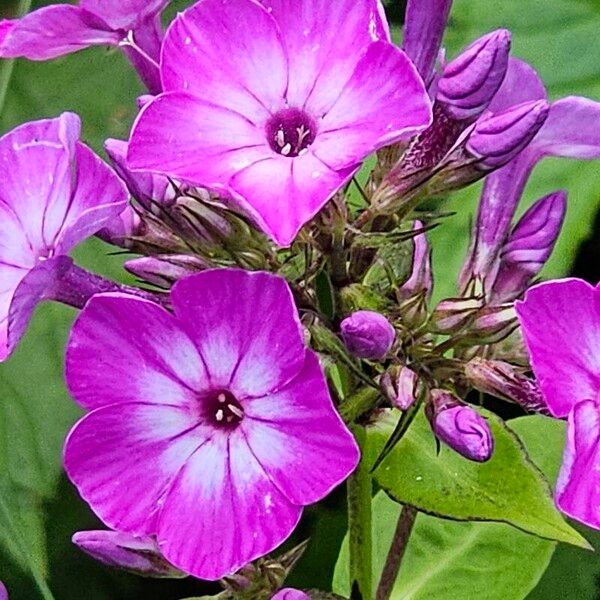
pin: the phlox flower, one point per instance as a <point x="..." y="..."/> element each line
<point x="209" y="429"/>
<point x="275" y="104"/>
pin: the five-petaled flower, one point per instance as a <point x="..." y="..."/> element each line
<point x="275" y="104"/>
<point x="55" y="193"/>
<point x="561" y="327"/>
<point x="210" y="428"/>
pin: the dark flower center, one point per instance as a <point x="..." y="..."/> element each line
<point x="291" y="131"/>
<point x="223" y="409"/>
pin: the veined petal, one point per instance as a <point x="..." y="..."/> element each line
<point x="228" y="53"/>
<point x="560" y="321"/>
<point x="180" y="135"/>
<point x="10" y="276"/>
<point x="324" y="41"/>
<point x="125" y="349"/>
<point x="282" y="194"/>
<point x="53" y="31"/>
<point x="123" y="14"/>
<point x="578" y="485"/>
<point x="245" y="326"/>
<point x="123" y="457"/>
<point x="222" y="511"/>
<point x="384" y="102"/>
<point x="291" y="431"/>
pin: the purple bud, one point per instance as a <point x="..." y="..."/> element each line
<point x="400" y="385"/>
<point x="3" y="592"/>
<point x="121" y="229"/>
<point x="529" y="246"/>
<point x="459" y="426"/>
<point x="368" y="334"/>
<point x="493" y="323"/>
<point x="471" y="80"/>
<point x="290" y="594"/>
<point x="139" y="555"/>
<point x="164" y="270"/>
<point x="497" y="139"/>
<point x="453" y="314"/>
<point x="504" y="381"/>
<point x="420" y="279"/>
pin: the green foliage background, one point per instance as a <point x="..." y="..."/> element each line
<point x="39" y="510"/>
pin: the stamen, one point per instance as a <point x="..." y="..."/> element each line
<point x="238" y="412"/>
<point x="280" y="138"/>
<point x="286" y="149"/>
<point x="219" y="415"/>
<point x="221" y="398"/>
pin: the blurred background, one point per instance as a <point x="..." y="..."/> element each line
<point x="39" y="509"/>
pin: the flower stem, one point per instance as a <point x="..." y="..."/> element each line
<point x="359" y="524"/>
<point x="6" y="70"/>
<point x="404" y="527"/>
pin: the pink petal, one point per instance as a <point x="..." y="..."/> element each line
<point x="123" y="14"/>
<point x="222" y="511"/>
<point x="384" y="102"/>
<point x="324" y="40"/>
<point x="182" y="136"/>
<point x="560" y="321"/>
<point x="122" y="458"/>
<point x="230" y="53"/>
<point x="290" y="594"/>
<point x="282" y="194"/>
<point x="11" y="277"/>
<point x="53" y="31"/>
<point x="521" y="84"/>
<point x="16" y="250"/>
<point x="292" y="431"/>
<point x="119" y="338"/>
<point x="245" y="326"/>
<point x="578" y="485"/>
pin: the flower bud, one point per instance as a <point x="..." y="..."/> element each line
<point x="471" y="80"/>
<point x="138" y="555"/>
<point x="290" y="594"/>
<point x="420" y="279"/>
<point x="502" y="380"/>
<point x="400" y="386"/>
<point x="498" y="138"/>
<point x="529" y="246"/>
<point x="459" y="426"/>
<point x="493" y="323"/>
<point x="164" y="270"/>
<point x="3" y="592"/>
<point x="368" y="334"/>
<point x="121" y="229"/>
<point x="453" y="314"/>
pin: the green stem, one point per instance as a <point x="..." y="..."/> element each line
<point x="359" y="524"/>
<point x="22" y="546"/>
<point x="6" y="69"/>
<point x="359" y="403"/>
<point x="404" y="527"/>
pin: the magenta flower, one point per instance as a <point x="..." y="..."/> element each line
<point x="560" y="321"/>
<point x="290" y="594"/>
<point x="276" y="104"/>
<point x="368" y="334"/>
<point x="55" y="193"/>
<point x="61" y="29"/>
<point x="221" y="427"/>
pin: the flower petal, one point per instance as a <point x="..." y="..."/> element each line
<point x="290" y="432"/>
<point x="324" y="42"/>
<point x="282" y="194"/>
<point x="123" y="14"/>
<point x="185" y="137"/>
<point x="384" y="102"/>
<point x="53" y="31"/>
<point x="229" y="53"/>
<point x="120" y="338"/>
<point x="246" y="327"/>
<point x="578" y="485"/>
<point x="222" y="511"/>
<point x="122" y="458"/>
<point x="560" y="321"/>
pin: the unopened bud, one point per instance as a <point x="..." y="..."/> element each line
<point x="139" y="555"/>
<point x="164" y="270"/>
<point x="120" y="230"/>
<point x="459" y="426"/>
<point x="400" y="385"/>
<point x="290" y="594"/>
<point x="503" y="380"/>
<point x="368" y="334"/>
<point x="420" y="279"/>
<point x="529" y="246"/>
<point x="471" y="80"/>
<point x="453" y="314"/>
<point x="493" y="323"/>
<point x="497" y="139"/>
<point x="203" y="219"/>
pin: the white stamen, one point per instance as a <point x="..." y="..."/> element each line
<point x="220" y="415"/>
<point x="238" y="412"/>
<point x="221" y="398"/>
<point x="286" y="149"/>
<point x="280" y="138"/>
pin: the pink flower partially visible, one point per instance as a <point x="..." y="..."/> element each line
<point x="290" y="594"/>
<point x="560" y="321"/>
<point x="275" y="104"/>
<point x="55" y="193"/>
<point x="61" y="29"/>
<point x="221" y="427"/>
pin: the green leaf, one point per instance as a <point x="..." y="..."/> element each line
<point x="451" y="560"/>
<point x="508" y="488"/>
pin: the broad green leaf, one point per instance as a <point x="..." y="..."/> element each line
<point x="451" y="560"/>
<point x="508" y="488"/>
